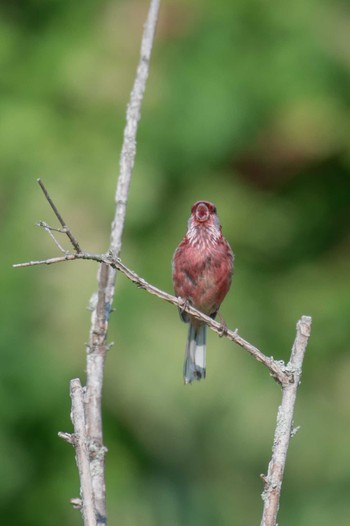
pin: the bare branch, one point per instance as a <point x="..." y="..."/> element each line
<point x="128" y="152"/>
<point x="97" y="345"/>
<point x="284" y="427"/>
<point x="82" y="452"/>
<point x="44" y="225"/>
<point x="277" y="368"/>
<point x="59" y="217"/>
<point x="49" y="261"/>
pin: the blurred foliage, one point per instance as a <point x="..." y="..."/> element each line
<point x="247" y="105"/>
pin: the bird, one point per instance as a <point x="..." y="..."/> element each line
<point x="202" y="268"/>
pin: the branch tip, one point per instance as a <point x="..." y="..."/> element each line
<point x="68" y="437"/>
<point x="294" y="431"/>
<point x="76" y="503"/>
<point x="264" y="478"/>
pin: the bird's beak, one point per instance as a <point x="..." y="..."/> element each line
<point x="202" y="213"/>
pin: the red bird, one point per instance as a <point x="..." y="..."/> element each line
<point x="202" y="273"/>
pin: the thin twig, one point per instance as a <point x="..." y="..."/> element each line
<point x="59" y="217"/>
<point x="277" y="368"/>
<point x="82" y="452"/>
<point x="49" y="229"/>
<point x="44" y="225"/>
<point x="284" y="427"/>
<point x="49" y="261"/>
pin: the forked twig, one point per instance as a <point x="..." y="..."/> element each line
<point x="59" y="217"/>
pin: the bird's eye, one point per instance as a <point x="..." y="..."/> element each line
<point x="214" y="209"/>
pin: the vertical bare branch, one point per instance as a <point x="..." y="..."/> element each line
<point x="80" y="441"/>
<point x="133" y="114"/>
<point x="102" y="300"/>
<point x="284" y="429"/>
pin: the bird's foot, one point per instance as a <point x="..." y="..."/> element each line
<point x="185" y="303"/>
<point x="182" y="309"/>
<point x="223" y="329"/>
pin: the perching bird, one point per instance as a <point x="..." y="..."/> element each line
<point x="202" y="273"/>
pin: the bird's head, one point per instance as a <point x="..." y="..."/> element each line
<point x="203" y="224"/>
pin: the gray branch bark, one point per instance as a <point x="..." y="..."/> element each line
<point x="80" y="441"/>
<point x="284" y="426"/>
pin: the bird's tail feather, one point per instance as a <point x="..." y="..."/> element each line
<point x="195" y="356"/>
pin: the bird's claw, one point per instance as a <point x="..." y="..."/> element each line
<point x="223" y="329"/>
<point x="184" y="305"/>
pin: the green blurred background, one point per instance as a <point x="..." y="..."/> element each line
<point x="247" y="105"/>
